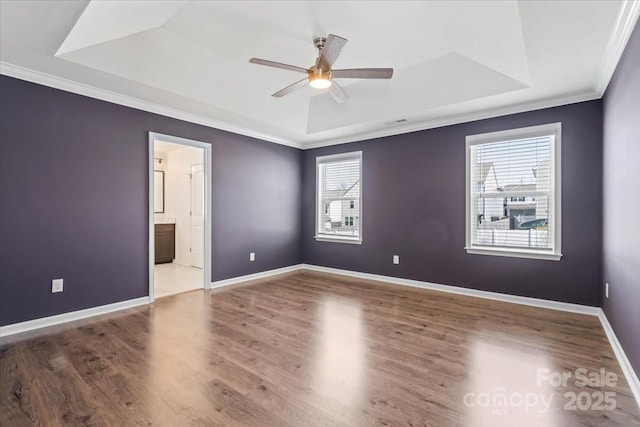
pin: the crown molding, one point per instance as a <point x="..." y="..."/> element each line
<point x="56" y="82"/>
<point x="626" y="22"/>
<point x="460" y="118"/>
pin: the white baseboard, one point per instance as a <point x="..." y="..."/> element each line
<point x="44" y="322"/>
<point x="534" y="302"/>
<point x="260" y="275"/>
<point x="625" y="365"/>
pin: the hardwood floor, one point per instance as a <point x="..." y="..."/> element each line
<point x="313" y="349"/>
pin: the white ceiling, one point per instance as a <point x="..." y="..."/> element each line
<point x="454" y="60"/>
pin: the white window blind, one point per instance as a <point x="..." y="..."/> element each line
<point x="339" y="197"/>
<point x="513" y="196"/>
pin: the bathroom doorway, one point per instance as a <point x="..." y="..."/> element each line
<point x="179" y="215"/>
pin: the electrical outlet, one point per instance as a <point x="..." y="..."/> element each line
<point x="606" y="290"/>
<point x="252" y="256"/>
<point x="396" y="259"/>
<point x="56" y="286"/>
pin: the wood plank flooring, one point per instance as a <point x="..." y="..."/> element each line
<point x="313" y="349"/>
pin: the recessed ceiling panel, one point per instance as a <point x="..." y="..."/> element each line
<point x="156" y="57"/>
<point x="103" y="21"/>
<point x="201" y="53"/>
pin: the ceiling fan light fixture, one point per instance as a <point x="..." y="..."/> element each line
<point x="321" y="74"/>
<point x="319" y="80"/>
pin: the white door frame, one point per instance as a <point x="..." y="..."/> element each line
<point x="206" y="163"/>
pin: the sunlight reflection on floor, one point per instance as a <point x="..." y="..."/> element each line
<point x="503" y="389"/>
<point x="341" y="364"/>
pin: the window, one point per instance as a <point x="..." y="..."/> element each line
<point x="513" y="193"/>
<point x="338" y="186"/>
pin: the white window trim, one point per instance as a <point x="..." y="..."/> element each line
<point x="554" y="129"/>
<point x="320" y="208"/>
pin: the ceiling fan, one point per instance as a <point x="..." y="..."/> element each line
<point x="320" y="75"/>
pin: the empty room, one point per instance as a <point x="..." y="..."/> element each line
<point x="319" y="213"/>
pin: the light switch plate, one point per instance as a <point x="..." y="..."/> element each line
<point x="396" y="259"/>
<point x="252" y="256"/>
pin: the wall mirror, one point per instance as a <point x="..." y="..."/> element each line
<point x="158" y="191"/>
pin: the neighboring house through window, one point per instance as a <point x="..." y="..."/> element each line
<point x="513" y="193"/>
<point x="339" y="197"/>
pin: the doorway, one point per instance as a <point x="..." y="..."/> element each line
<point x="179" y="215"/>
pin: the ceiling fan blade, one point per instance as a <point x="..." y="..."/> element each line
<point x="278" y="65"/>
<point x="363" y="73"/>
<point x="338" y="94"/>
<point x="331" y="50"/>
<point x="291" y="88"/>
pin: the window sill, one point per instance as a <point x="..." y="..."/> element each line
<point x="340" y="239"/>
<point x="517" y="253"/>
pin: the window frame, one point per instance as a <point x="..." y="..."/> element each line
<point x="318" y="236"/>
<point x="551" y="129"/>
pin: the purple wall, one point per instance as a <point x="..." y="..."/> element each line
<point x="414" y="206"/>
<point x="74" y="203"/>
<point x="621" y="246"/>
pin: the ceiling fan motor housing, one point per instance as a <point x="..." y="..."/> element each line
<point x="316" y="73"/>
